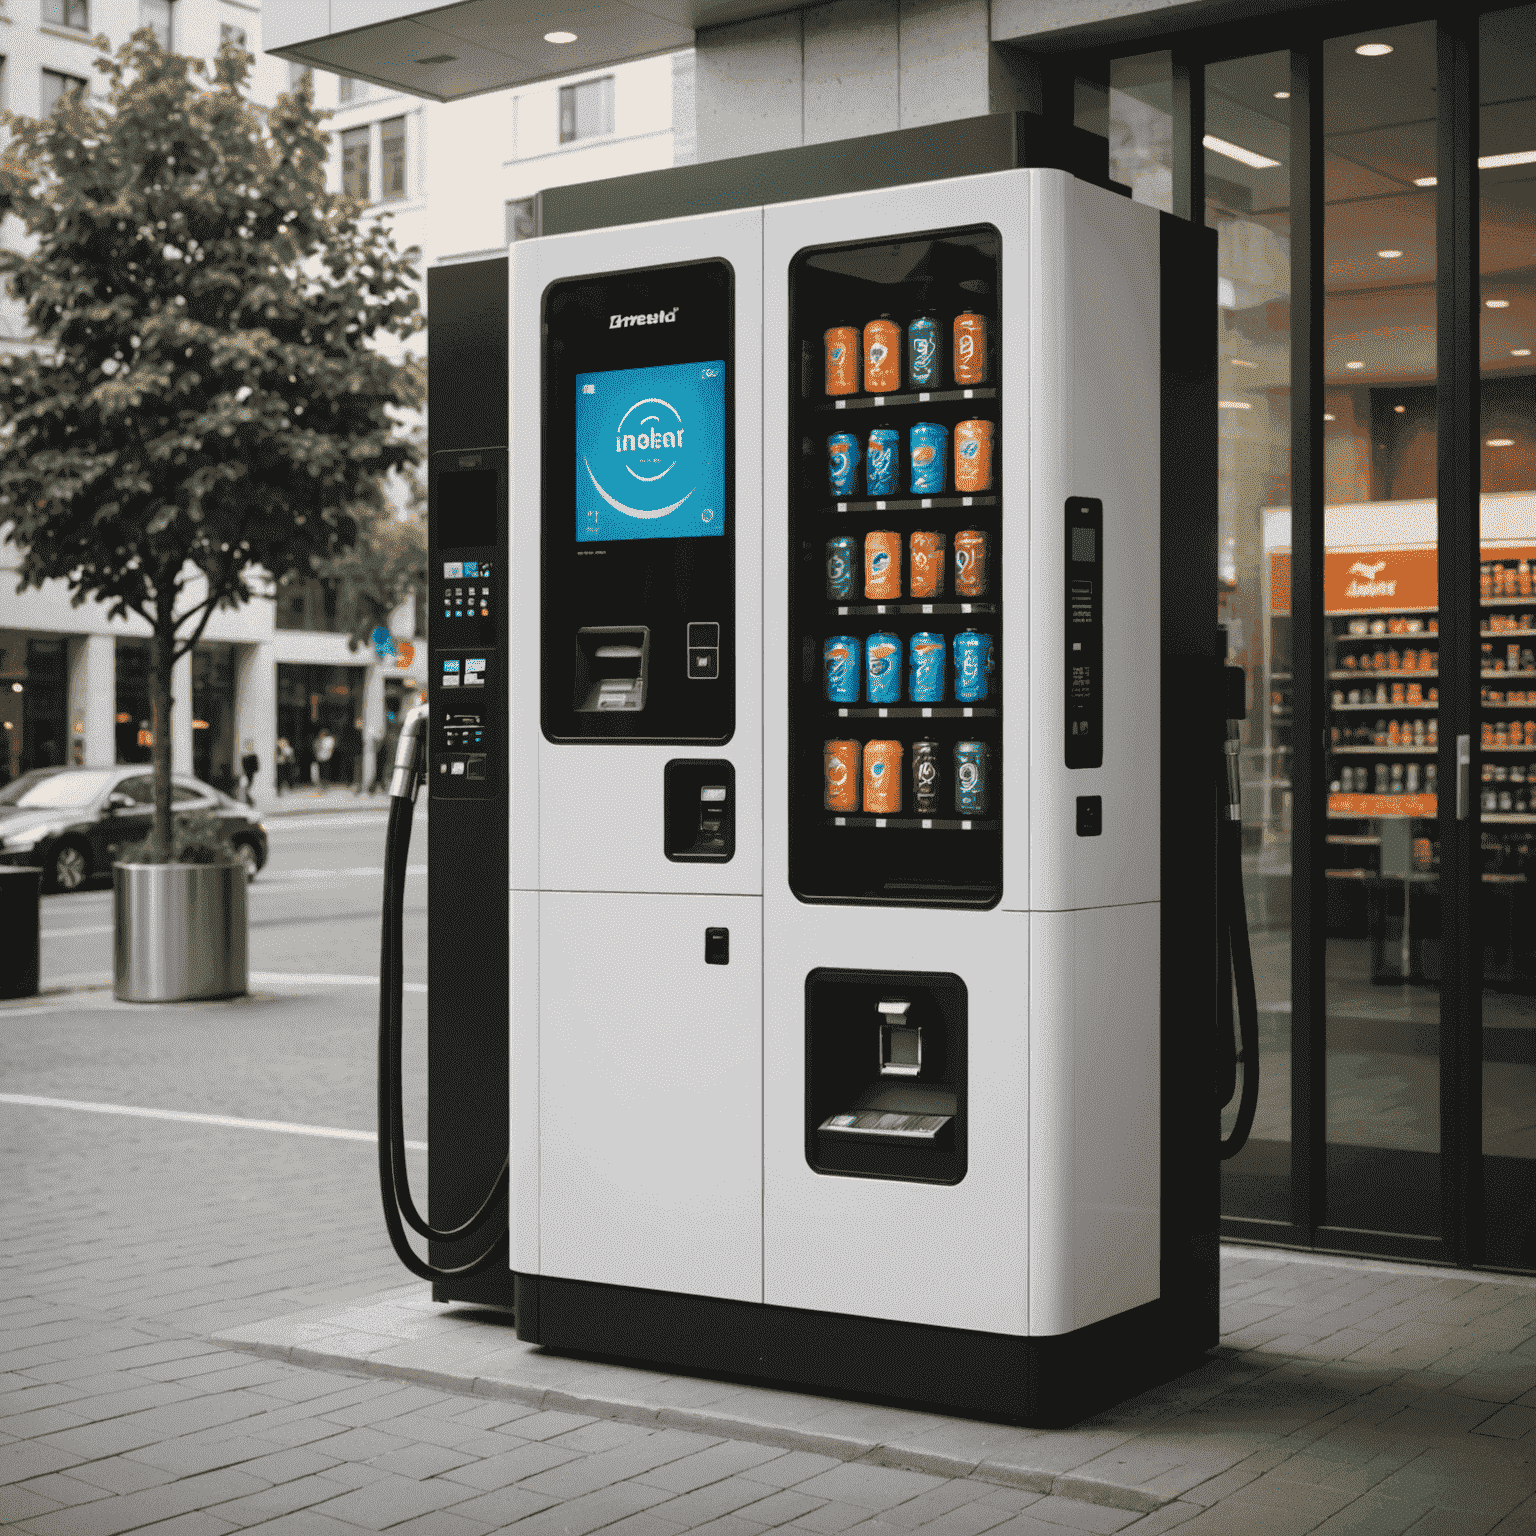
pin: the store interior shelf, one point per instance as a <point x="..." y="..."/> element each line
<point x="1417" y="636"/>
<point x="914" y="823"/>
<point x="1510" y="602"/>
<point x="938" y="609"/>
<point x="1526" y="704"/>
<point x="913" y="397"/>
<point x="956" y="503"/>
<point x="1350" y="840"/>
<point x="1508" y="634"/>
<point x="1360" y="673"/>
<point x="1428" y="749"/>
<point x="1375" y="707"/>
<point x="1489" y="676"/>
<point x="1510" y="818"/>
<point x="914" y="711"/>
<point x="1526" y="747"/>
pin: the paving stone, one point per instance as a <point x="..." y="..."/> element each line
<point x="588" y="1474"/>
<point x="111" y="1515"/>
<point x="120" y="1474"/>
<point x="777" y="1509"/>
<point x="831" y="1518"/>
<point x="791" y="1468"/>
<point x="511" y="1466"/>
<point x="1511" y="1422"/>
<point x="440" y="1522"/>
<point x="65" y="1489"/>
<point x="199" y="1523"/>
<point x="502" y="1506"/>
<point x="867" y="1485"/>
<point x="728" y="1525"/>
<point x="1081" y="1517"/>
<point x="393" y="1499"/>
<point x="710" y="1466"/>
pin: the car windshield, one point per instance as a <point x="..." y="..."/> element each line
<point x="48" y="789"/>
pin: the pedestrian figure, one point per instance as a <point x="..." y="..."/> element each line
<point x="285" y="764"/>
<point x="325" y="746"/>
<point x="250" y="766"/>
<point x="354" y="756"/>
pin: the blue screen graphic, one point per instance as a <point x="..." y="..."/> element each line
<point x="650" y="453"/>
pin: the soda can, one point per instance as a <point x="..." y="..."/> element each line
<point x="840" y="558"/>
<point x="925" y="778"/>
<point x="971" y="572"/>
<point x="882" y="565"/>
<point x="841" y="346"/>
<point x="970" y="348"/>
<point x="882" y="356"/>
<point x="925" y="673"/>
<point x="973" y="778"/>
<point x="927" y="567"/>
<point x="923" y="354"/>
<point x="973" y="457"/>
<point x="927" y="454"/>
<point x="882" y="669"/>
<point x="841" y="659"/>
<point x="973" y="666"/>
<point x="882" y="778"/>
<point x="841" y="770"/>
<point x="843" y="463"/>
<point x="882" y="452"/>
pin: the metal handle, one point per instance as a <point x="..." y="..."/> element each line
<point x="1463" y="777"/>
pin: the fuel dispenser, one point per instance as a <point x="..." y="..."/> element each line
<point x="856" y="1031"/>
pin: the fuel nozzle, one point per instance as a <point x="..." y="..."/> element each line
<point x="408" y="756"/>
<point x="1235" y="707"/>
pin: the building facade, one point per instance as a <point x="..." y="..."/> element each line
<point x="454" y="179"/>
<point x="1370" y="173"/>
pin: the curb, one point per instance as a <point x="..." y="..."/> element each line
<point x="1085" y="1490"/>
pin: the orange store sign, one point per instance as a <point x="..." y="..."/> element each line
<point x="1403" y="580"/>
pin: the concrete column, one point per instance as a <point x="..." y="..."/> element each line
<point x="92" y="701"/>
<point x="748" y="87"/>
<point x="373" y="720"/>
<point x="852" y="70"/>
<point x="256" y="711"/>
<point x="685" y="150"/>
<point x="181" y="715"/>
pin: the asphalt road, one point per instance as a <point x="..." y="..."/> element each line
<point x="113" y="1205"/>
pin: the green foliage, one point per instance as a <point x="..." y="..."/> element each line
<point x="211" y="406"/>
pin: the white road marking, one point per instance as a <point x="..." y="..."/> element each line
<point x="325" y="979"/>
<point x="283" y="1127"/>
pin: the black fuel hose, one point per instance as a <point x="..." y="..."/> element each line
<point x="394" y="1178"/>
<point x="1235" y="966"/>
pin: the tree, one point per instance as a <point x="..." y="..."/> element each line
<point x="208" y="408"/>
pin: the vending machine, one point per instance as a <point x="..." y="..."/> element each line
<point x="858" y="568"/>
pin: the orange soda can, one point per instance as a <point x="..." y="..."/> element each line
<point x="841" y="345"/>
<point x="882" y="778"/>
<point x="927" y="568"/>
<point x="971" y="563"/>
<point x="882" y="356"/>
<point x="882" y="565"/>
<point x="842" y="771"/>
<point x="970" y="352"/>
<point x="973" y="456"/>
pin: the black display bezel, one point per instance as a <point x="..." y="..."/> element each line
<point x="662" y="584"/>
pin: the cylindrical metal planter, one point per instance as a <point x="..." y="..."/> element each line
<point x="179" y="932"/>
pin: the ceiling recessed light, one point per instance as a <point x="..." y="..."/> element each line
<point x="1242" y="362"/>
<point x="1426" y="181"/>
<point x="1501" y="442"/>
<point x="559" y="37"/>
<point x="1374" y="50"/>
<point x="1389" y="255"/>
<point x="1520" y="352"/>
<point x="1497" y="303"/>
<point x="1282" y="95"/>
<point x="1327" y="415"/>
<point x="1399" y="409"/>
<point x="1497" y="162"/>
<point x="1234" y="405"/>
<point x="1354" y="365"/>
<point x="1236" y="152"/>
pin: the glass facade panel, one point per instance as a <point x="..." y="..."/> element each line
<point x="1381" y="634"/>
<point x="68" y="13"/>
<point x="56" y="87"/>
<point x="213" y="715"/>
<point x="392" y="159"/>
<point x="354" y="163"/>
<point x="1507" y="246"/>
<point x="586" y="110"/>
<point x="1248" y="204"/>
<point x="1140" y="124"/>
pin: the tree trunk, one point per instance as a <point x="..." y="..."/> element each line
<point x="162" y="655"/>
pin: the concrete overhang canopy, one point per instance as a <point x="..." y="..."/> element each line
<point x="446" y="52"/>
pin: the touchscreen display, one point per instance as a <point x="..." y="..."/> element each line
<point x="650" y="453"/>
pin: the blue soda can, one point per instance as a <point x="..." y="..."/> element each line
<point x="973" y="778"/>
<point x="923" y="359"/>
<point x="883" y="450"/>
<point x="841" y="555"/>
<point x="843" y="462"/>
<point x="929" y="458"/>
<point x="882" y="668"/>
<point x="973" y="666"/>
<point x="840" y="658"/>
<point x="926" y="667"/>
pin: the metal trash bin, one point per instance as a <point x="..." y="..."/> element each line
<point x="21" y="923"/>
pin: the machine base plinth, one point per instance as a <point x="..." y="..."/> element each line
<point x="1041" y="1383"/>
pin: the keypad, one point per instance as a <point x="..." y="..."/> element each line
<point x="468" y="599"/>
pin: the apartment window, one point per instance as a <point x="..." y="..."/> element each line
<point x="349" y="91"/>
<point x="68" y="13"/>
<point x="156" y="15"/>
<point x="236" y="35"/>
<point x="298" y="74"/>
<point x="522" y="219"/>
<point x="392" y="159"/>
<point x="354" y="163"/>
<point x="586" y="110"/>
<point x="56" y="87"/>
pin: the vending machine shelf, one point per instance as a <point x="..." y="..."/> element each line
<point x="913" y="711"/>
<point x="915" y="823"/>
<point x="917" y="397"/>
<point x="937" y="609"/>
<point x="911" y="504"/>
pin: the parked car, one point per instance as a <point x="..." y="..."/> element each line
<point x="73" y="822"/>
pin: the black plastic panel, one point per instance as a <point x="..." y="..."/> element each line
<point x="1084" y="609"/>
<point x="651" y="589"/>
